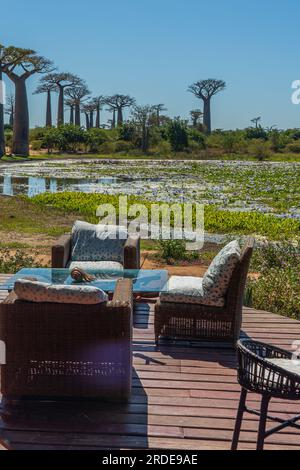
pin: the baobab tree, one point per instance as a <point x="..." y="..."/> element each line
<point x="205" y="90"/>
<point x="256" y="121"/>
<point x="120" y="102"/>
<point x="196" y="115"/>
<point x="19" y="65"/>
<point x="86" y="111"/>
<point x="10" y="109"/>
<point x="78" y="93"/>
<point x="91" y="108"/>
<point x="158" y="108"/>
<point x="47" y="88"/>
<point x="142" y="117"/>
<point x="98" y="101"/>
<point x="112" y="121"/>
<point x="71" y="104"/>
<point x="62" y="81"/>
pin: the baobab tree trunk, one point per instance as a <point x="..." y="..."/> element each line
<point x="98" y="117"/>
<point x="120" y="116"/>
<point x="207" y="116"/>
<point x="72" y="114"/>
<point x="60" y="109"/>
<point x="48" y="110"/>
<point x="12" y="116"/>
<point x="157" y="118"/>
<point x="91" y="119"/>
<point x="87" y="121"/>
<point x="113" y="122"/>
<point x="77" y="114"/>
<point x="2" y="136"/>
<point x="20" y="144"/>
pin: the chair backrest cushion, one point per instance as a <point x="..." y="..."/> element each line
<point x="217" y="277"/>
<point x="97" y="242"/>
<point x="34" y="291"/>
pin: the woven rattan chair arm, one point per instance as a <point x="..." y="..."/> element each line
<point x="123" y="294"/>
<point x="132" y="253"/>
<point x="61" y="252"/>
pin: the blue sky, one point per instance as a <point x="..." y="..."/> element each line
<point x="153" y="50"/>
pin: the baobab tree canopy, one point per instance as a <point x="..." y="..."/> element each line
<point x="205" y="90"/>
<point x="77" y="93"/>
<point x="62" y="81"/>
<point x="20" y="64"/>
<point x="119" y="102"/>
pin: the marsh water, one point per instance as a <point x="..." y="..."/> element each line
<point x="269" y="187"/>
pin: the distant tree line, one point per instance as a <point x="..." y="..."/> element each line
<point x="19" y="64"/>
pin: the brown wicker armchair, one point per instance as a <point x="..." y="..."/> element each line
<point x="201" y="322"/>
<point x="67" y="350"/>
<point x="61" y="252"/>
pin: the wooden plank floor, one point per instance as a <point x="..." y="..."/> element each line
<point x="184" y="397"/>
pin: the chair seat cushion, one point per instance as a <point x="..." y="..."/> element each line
<point x="188" y="289"/>
<point x="217" y="277"/>
<point x="97" y="242"/>
<point x="96" y="265"/>
<point x="34" y="291"/>
<point x="287" y="364"/>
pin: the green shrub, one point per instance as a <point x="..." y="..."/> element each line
<point x="36" y="145"/>
<point x="256" y="133"/>
<point x="293" y="147"/>
<point x="11" y="263"/>
<point x="178" y="136"/>
<point x="277" y="287"/>
<point x="259" y="149"/>
<point x="175" y="250"/>
<point x="163" y="148"/>
<point x="95" y="138"/>
<point x="107" y="148"/>
<point x="198" y="137"/>
<point x="123" y="146"/>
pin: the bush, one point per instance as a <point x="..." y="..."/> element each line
<point x="127" y="132"/>
<point x="293" y="147"/>
<point x="163" y="148"/>
<point x="178" y="136"/>
<point x="277" y="287"/>
<point x="11" y="263"/>
<point x="123" y="146"/>
<point x="36" y="145"/>
<point x="256" y="133"/>
<point x="107" y="148"/>
<point x="95" y="138"/>
<point x="66" y="138"/>
<point x="259" y="150"/>
<point x="198" y="137"/>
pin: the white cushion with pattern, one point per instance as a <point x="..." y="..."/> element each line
<point x="34" y="291"/>
<point x="217" y="277"/>
<point x="187" y="289"/>
<point x="96" y="265"/>
<point x="97" y="242"/>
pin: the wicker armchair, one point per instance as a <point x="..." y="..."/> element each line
<point x="259" y="374"/>
<point x="201" y="322"/>
<point x="67" y="350"/>
<point x="61" y="252"/>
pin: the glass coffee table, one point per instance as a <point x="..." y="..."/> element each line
<point x="144" y="281"/>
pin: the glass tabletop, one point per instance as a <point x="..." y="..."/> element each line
<point x="144" y="280"/>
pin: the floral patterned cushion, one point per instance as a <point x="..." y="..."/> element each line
<point x="96" y="265"/>
<point x="97" y="242"/>
<point x="34" y="291"/>
<point x="217" y="277"/>
<point x="189" y="290"/>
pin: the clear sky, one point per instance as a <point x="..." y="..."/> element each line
<point x="153" y="50"/>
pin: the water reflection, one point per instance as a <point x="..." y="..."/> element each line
<point x="33" y="185"/>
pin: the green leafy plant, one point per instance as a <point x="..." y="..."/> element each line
<point x="11" y="263"/>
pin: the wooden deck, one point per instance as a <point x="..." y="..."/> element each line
<point x="184" y="397"/>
